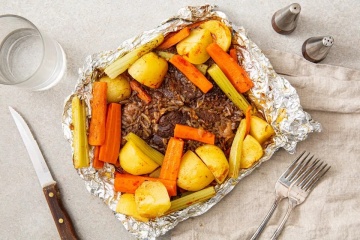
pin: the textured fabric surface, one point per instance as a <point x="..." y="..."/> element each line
<point x="321" y="87"/>
<point x="327" y="91"/>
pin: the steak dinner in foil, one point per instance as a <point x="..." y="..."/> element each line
<point x="169" y="147"/>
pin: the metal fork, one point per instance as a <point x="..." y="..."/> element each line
<point x="293" y="172"/>
<point x="301" y="188"/>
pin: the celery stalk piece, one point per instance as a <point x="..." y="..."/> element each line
<point x="165" y="55"/>
<point x="80" y="141"/>
<point x="188" y="200"/>
<point x="225" y="85"/>
<point x="236" y="150"/>
<point x="202" y="68"/>
<point x="123" y="63"/>
<point x="155" y="155"/>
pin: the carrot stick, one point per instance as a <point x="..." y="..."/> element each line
<point x="192" y="73"/>
<point x="233" y="71"/>
<point x="173" y="39"/>
<point x="171" y="164"/>
<point x="248" y="120"/>
<point x="109" y="151"/>
<point x="233" y="54"/>
<point x="141" y="93"/>
<point x="97" y="164"/>
<point x="98" y="114"/>
<point x="129" y="183"/>
<point x="197" y="134"/>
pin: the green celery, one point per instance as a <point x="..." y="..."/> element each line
<point x="225" y="85"/>
<point x="192" y="198"/>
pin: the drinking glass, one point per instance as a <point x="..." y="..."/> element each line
<point x="28" y="58"/>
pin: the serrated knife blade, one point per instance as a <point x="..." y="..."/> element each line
<point x="51" y="192"/>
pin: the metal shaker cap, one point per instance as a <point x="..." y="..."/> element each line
<point x="284" y="21"/>
<point x="315" y="49"/>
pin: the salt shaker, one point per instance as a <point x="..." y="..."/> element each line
<point x="284" y="21"/>
<point x="315" y="49"/>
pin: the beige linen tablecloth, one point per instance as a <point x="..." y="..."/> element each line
<point x="330" y="94"/>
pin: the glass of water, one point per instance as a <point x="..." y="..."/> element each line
<point x="28" y="58"/>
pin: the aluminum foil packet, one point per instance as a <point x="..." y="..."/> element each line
<point x="272" y="94"/>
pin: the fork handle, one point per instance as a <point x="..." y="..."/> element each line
<point x="277" y="232"/>
<point x="267" y="218"/>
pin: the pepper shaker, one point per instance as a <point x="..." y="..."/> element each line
<point x="284" y="21"/>
<point x="315" y="49"/>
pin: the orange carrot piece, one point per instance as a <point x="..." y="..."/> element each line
<point x="171" y="164"/>
<point x="128" y="183"/>
<point x="97" y="164"/>
<point x="173" y="39"/>
<point x="197" y="134"/>
<point x="98" y="114"/>
<point x="248" y="120"/>
<point x="141" y="93"/>
<point x="109" y="151"/>
<point x="233" y="54"/>
<point x="233" y="71"/>
<point x="192" y="73"/>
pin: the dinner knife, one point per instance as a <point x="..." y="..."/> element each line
<point x="52" y="194"/>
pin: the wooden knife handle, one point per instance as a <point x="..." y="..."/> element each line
<point x="61" y="217"/>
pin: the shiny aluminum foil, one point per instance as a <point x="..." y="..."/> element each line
<point x="273" y="95"/>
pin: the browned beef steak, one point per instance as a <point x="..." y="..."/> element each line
<point x="179" y="101"/>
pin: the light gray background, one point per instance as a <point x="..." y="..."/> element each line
<point x="85" y="27"/>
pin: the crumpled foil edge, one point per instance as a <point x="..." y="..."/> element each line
<point x="272" y="94"/>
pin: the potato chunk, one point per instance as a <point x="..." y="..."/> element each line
<point x="118" y="88"/>
<point x="127" y="206"/>
<point x="260" y="129"/>
<point x="193" y="175"/>
<point x="152" y="199"/>
<point x="215" y="160"/>
<point x="134" y="161"/>
<point x="193" y="48"/>
<point x="251" y="152"/>
<point x="220" y="32"/>
<point x="149" y="70"/>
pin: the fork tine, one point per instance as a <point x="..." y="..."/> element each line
<point x="297" y="171"/>
<point x="318" y="176"/>
<point x="293" y="164"/>
<point x="310" y="172"/>
<point x="303" y="168"/>
<point x="303" y="178"/>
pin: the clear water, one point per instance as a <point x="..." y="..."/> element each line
<point x="30" y="61"/>
<point x="21" y="54"/>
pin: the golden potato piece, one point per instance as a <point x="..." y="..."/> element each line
<point x="251" y="152"/>
<point x="152" y="199"/>
<point x="260" y="129"/>
<point x="118" y="88"/>
<point x="193" y="175"/>
<point x="134" y="161"/>
<point x="149" y="70"/>
<point x="220" y="32"/>
<point x="127" y="206"/>
<point x="193" y="48"/>
<point x="215" y="159"/>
